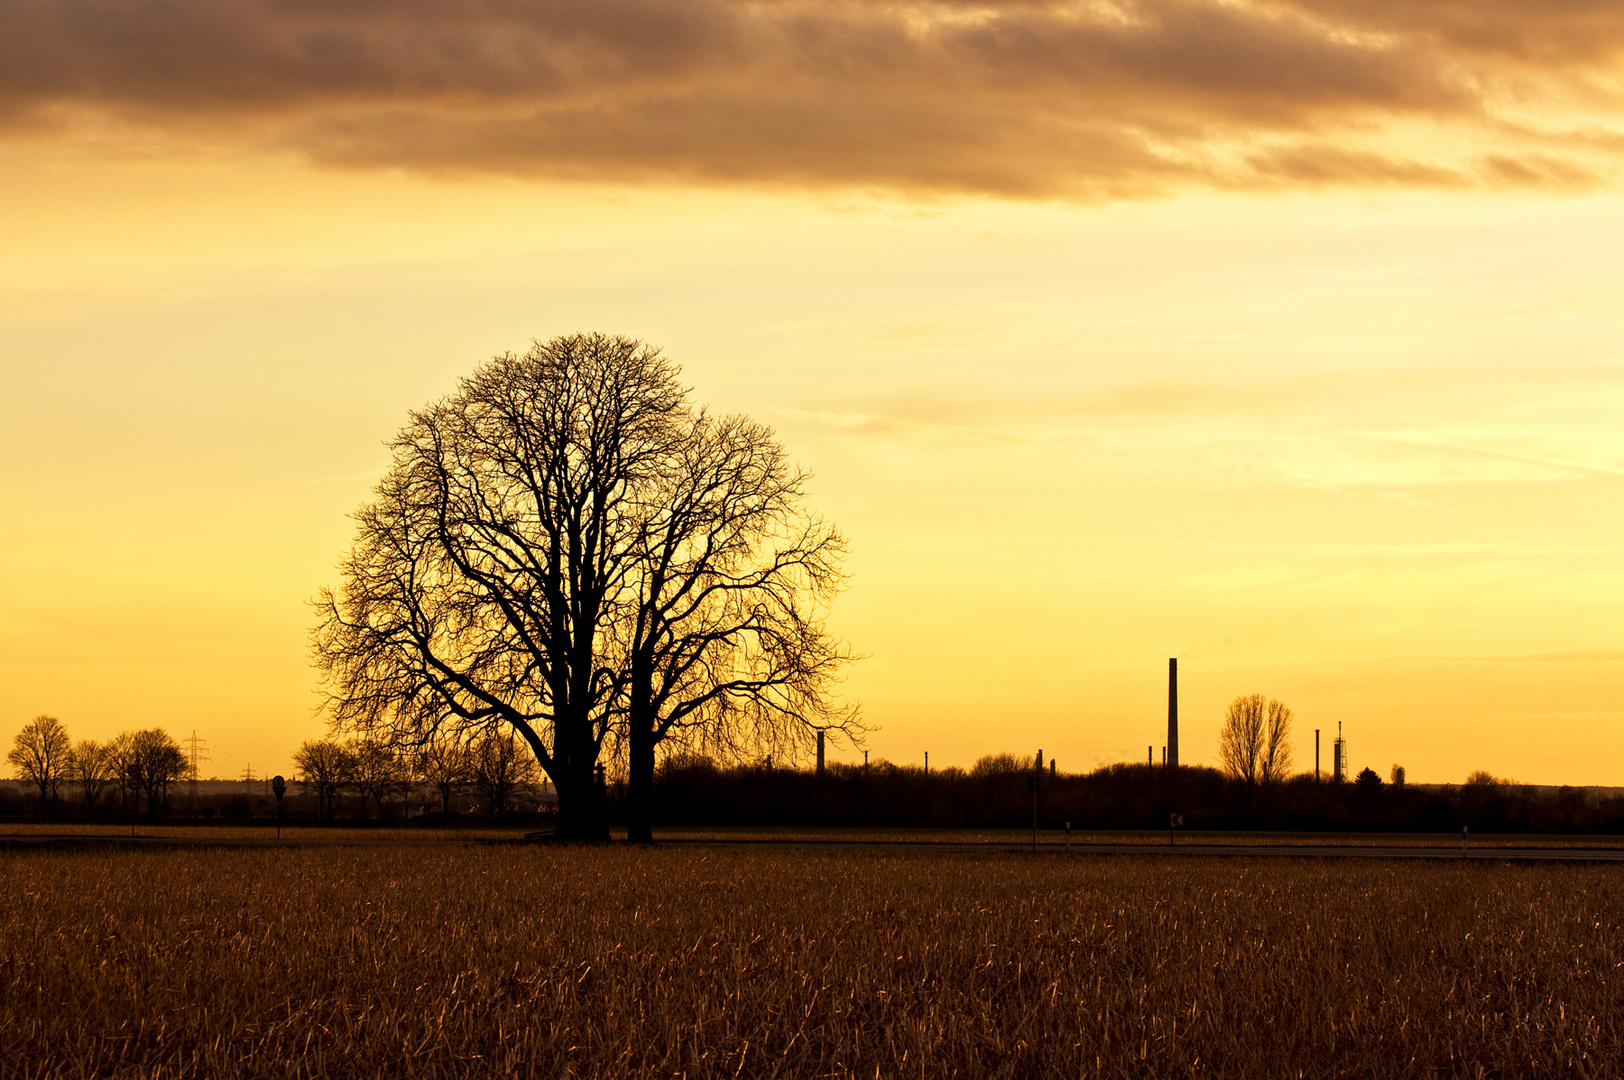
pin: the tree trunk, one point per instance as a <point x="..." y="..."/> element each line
<point x="640" y="782"/>
<point x="581" y="817"/>
<point x="580" y="812"/>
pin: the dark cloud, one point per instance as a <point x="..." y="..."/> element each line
<point x="1089" y="99"/>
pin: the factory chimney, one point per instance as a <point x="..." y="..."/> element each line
<point x="1173" y="713"/>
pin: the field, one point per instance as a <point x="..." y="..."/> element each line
<point x="449" y="959"/>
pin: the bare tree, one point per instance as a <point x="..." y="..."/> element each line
<point x="157" y="761"/>
<point x="500" y="769"/>
<point x="1254" y="744"/>
<point x="326" y="768"/>
<point x="443" y="762"/>
<point x="41" y="753"/>
<point x="1275" y="764"/>
<point x="378" y="772"/>
<point x="494" y="560"/>
<point x="725" y="643"/>
<point x="1240" y="741"/>
<point x="121" y="754"/>
<point x="91" y="768"/>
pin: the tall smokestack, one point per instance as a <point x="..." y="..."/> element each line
<point x="1173" y="712"/>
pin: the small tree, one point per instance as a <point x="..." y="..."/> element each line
<point x="444" y="762"/>
<point x="158" y="762"/>
<point x="377" y="771"/>
<point x="1396" y="777"/>
<point x="41" y="754"/>
<point x="500" y="768"/>
<point x="1276" y="763"/>
<point x="1254" y="744"/>
<point x="1240" y="742"/>
<point x="325" y="767"/>
<point x="91" y="768"/>
<point x="123" y="767"/>
<point x="1367" y="780"/>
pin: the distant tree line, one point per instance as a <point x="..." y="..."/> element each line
<point x="995" y="794"/>
<point x="136" y="765"/>
<point x="131" y="775"/>
<point x="1255" y="788"/>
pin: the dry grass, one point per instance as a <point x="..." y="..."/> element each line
<point x="440" y="960"/>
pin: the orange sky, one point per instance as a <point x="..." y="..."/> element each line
<point x="1283" y="338"/>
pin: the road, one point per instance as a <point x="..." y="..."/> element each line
<point x="1183" y="850"/>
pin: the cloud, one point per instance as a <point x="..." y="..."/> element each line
<point x="1084" y="99"/>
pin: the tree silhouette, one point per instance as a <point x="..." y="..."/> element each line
<point x="565" y="549"/>
<point x="727" y="649"/>
<point x="377" y="772"/>
<point x="153" y="761"/>
<point x="91" y="767"/>
<point x="500" y="767"/>
<point x="327" y="768"/>
<point x="1254" y="744"/>
<point x="121" y="755"/>
<point x="41" y="753"/>
<point x="444" y="762"/>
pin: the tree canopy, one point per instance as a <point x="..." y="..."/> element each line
<point x="568" y="549"/>
<point x="1254" y="743"/>
<point x="42" y="754"/>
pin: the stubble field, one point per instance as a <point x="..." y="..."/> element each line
<point x="418" y="960"/>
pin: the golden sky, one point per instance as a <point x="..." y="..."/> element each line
<point x="1285" y="338"/>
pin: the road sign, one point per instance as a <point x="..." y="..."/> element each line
<point x="1175" y="821"/>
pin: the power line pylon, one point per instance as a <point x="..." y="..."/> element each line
<point x="199" y="752"/>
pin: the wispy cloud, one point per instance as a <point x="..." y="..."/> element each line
<point x="1088" y="100"/>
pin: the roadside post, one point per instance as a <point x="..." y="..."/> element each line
<point x="278" y="788"/>
<point x="1068" y="836"/>
<point x="1174" y="821"/>
<point x="1463" y="838"/>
